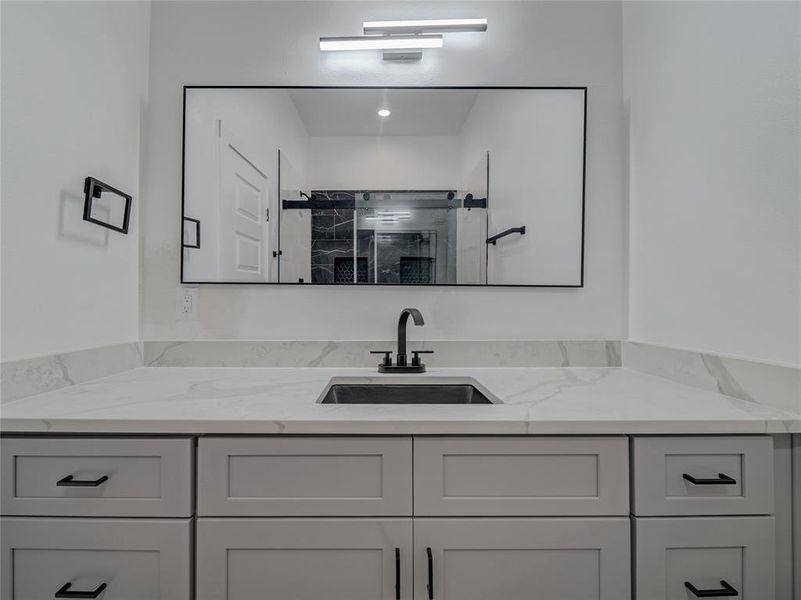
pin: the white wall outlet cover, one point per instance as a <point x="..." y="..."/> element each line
<point x="186" y="304"/>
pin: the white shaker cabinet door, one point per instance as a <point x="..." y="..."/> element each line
<point x="521" y="476"/>
<point x="109" y="559"/>
<point x="304" y="559"/>
<point x="522" y="559"/>
<point x="684" y="559"/>
<point x="300" y="477"/>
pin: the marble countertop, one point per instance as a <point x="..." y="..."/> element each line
<point x="185" y="400"/>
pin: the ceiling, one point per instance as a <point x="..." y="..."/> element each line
<point x="354" y="111"/>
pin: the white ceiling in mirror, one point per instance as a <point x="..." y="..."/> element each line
<point x="354" y="112"/>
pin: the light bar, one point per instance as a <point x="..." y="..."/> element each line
<point x="424" y="26"/>
<point x="395" y="42"/>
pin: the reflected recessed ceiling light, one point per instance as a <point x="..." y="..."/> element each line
<point x="383" y="42"/>
<point x="425" y="26"/>
<point x="384" y="112"/>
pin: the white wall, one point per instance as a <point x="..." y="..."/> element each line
<point x="535" y="142"/>
<point x="74" y="83"/>
<point x="390" y="162"/>
<point x="531" y="43"/>
<point x="713" y="91"/>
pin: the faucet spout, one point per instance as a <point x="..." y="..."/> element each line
<point x="417" y="318"/>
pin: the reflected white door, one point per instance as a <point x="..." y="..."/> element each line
<point x="244" y="235"/>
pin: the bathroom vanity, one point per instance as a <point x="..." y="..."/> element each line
<point x="236" y="484"/>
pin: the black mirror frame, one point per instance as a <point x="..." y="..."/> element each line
<point x="584" y="89"/>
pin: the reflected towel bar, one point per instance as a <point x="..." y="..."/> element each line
<point x="494" y="239"/>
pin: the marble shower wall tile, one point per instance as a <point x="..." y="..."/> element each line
<point x="21" y="378"/>
<point x="774" y="385"/>
<point x="452" y="353"/>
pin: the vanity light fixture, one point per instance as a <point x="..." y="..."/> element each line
<point x="382" y="42"/>
<point x="384" y="112"/>
<point x="424" y="26"/>
<point x="402" y="40"/>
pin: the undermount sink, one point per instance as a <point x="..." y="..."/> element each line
<point x="404" y="390"/>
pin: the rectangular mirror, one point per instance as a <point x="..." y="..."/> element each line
<point x="384" y="186"/>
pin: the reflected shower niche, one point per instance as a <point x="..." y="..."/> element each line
<point x="384" y="186"/>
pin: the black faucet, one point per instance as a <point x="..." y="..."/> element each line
<point x="402" y="365"/>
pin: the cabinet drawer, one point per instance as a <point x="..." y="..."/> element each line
<point x="96" y="477"/>
<point x="523" y="559"/>
<point x="709" y="553"/>
<point x="703" y="476"/>
<point x="304" y="559"/>
<point x="521" y="476"/>
<point x="304" y="476"/>
<point x="138" y="559"/>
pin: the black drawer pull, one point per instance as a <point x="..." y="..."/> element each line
<point x="725" y="591"/>
<point x="65" y="592"/>
<point x="721" y="479"/>
<point x="397" y="573"/>
<point x="430" y="585"/>
<point x="68" y="481"/>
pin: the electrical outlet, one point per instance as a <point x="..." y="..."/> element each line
<point x="186" y="304"/>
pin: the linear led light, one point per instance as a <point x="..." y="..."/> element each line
<point x="395" y="42"/>
<point x="424" y="26"/>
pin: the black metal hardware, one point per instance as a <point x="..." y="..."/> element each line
<point x="277" y="253"/>
<point x="93" y="188"/>
<point x="387" y="362"/>
<point x="351" y="203"/>
<point x="197" y="234"/>
<point x="430" y="584"/>
<point x="494" y="239"/>
<point x="401" y="361"/>
<point x="64" y="592"/>
<point x="68" y="481"/>
<point x="721" y="479"/>
<point x="307" y="196"/>
<point x="725" y="591"/>
<point x="397" y="573"/>
<point x="470" y="202"/>
<point x="416" y="356"/>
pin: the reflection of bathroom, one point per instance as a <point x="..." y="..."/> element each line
<point x="407" y="237"/>
<point x="372" y="199"/>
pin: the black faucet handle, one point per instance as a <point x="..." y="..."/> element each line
<point x="416" y="357"/>
<point x="387" y="362"/>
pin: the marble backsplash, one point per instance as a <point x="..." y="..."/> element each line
<point x="450" y="353"/>
<point x="770" y="384"/>
<point x="775" y="385"/>
<point x="21" y="378"/>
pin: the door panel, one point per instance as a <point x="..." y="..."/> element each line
<point x="305" y="476"/>
<point x="705" y="552"/>
<point x="132" y="559"/>
<point x="244" y="198"/>
<point x="521" y="476"/>
<point x="521" y="559"/>
<point x="304" y="559"/>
